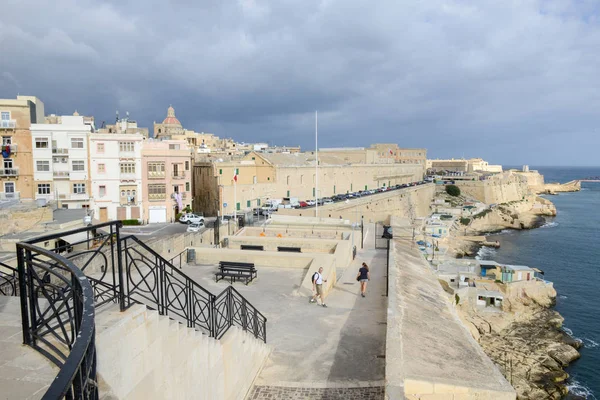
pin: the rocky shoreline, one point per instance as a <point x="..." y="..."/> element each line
<point x="526" y="339"/>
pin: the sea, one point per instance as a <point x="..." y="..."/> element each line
<point x="567" y="249"/>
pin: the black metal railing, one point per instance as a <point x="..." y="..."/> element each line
<point x="89" y="267"/>
<point x="231" y="308"/>
<point x="57" y="311"/>
<point x="9" y="280"/>
<point x="157" y="283"/>
<point x="179" y="258"/>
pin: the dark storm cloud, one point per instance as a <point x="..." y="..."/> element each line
<point x="514" y="82"/>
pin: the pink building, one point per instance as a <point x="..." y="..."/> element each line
<point x="166" y="179"/>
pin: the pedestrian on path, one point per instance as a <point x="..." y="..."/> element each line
<point x="317" y="283"/>
<point x="363" y="277"/>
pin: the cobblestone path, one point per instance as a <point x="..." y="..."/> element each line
<point x="296" y="393"/>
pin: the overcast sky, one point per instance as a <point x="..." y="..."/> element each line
<point x="512" y="81"/>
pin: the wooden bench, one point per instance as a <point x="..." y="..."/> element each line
<point x="236" y="270"/>
<point x="251" y="247"/>
<point x="289" y="249"/>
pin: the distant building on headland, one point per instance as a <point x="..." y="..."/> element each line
<point x="462" y="165"/>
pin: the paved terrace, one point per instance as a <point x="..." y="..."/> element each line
<point x="317" y="353"/>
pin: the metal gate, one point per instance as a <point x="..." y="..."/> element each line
<point x="383" y="233"/>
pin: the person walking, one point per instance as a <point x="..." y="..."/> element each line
<point x="317" y="283"/>
<point x="363" y="277"/>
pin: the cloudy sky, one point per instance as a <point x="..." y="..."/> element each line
<point x="513" y="81"/>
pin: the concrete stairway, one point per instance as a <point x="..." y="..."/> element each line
<point x="24" y="373"/>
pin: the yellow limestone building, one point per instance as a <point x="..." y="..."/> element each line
<point x="264" y="176"/>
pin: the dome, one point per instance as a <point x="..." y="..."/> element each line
<point x="171" y="119"/>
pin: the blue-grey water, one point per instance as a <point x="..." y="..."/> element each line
<point x="567" y="249"/>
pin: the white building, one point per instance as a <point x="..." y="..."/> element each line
<point x="60" y="161"/>
<point x="116" y="176"/>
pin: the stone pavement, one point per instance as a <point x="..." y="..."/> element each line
<point x="24" y="373"/>
<point x="318" y="353"/>
<point x="298" y="393"/>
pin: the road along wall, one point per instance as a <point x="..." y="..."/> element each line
<point x="410" y="202"/>
<point x="142" y="355"/>
<point x="429" y="353"/>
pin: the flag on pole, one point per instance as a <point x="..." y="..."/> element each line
<point x="391" y="152"/>
<point x="235" y="176"/>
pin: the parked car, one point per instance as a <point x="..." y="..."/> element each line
<point x="303" y="204"/>
<point x="310" y="202"/>
<point x="191" y="218"/>
<point x="328" y="201"/>
<point x="195" y="227"/>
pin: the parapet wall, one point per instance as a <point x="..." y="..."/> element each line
<point x="429" y="353"/>
<point x="142" y="355"/>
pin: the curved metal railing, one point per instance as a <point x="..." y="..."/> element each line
<point x="9" y="282"/>
<point x="57" y="310"/>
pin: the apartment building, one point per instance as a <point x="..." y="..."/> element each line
<point x="16" y="171"/>
<point x="116" y="176"/>
<point x="166" y="179"/>
<point x="264" y="176"/>
<point x="60" y="153"/>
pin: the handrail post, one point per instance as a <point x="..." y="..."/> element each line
<point x="23" y="295"/>
<point x="121" y="293"/>
<point x="255" y="327"/>
<point x="244" y="315"/>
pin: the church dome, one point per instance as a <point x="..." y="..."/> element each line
<point x="171" y="119"/>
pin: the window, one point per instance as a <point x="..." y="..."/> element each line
<point x="288" y="179"/>
<point x="258" y="202"/>
<point x="254" y="180"/>
<point x="5" y="115"/>
<point x="6" y="140"/>
<point x="100" y="147"/>
<point x="187" y="165"/>
<point x="101" y="191"/>
<point x="187" y="186"/>
<point x="41" y="143"/>
<point x="248" y="203"/>
<point x="77" y="143"/>
<point x="42" y="166"/>
<point x="237" y="206"/>
<point x="43" y="188"/>
<point x="127" y="168"/>
<point x="8" y="163"/>
<point x="78" y="165"/>
<point x="157" y="191"/>
<point x="301" y="179"/>
<point x="220" y="172"/>
<point x="79" y="188"/>
<point x="173" y="147"/>
<point x="288" y="193"/>
<point x="156" y="169"/>
<point x="126" y="146"/>
<point x="101" y="168"/>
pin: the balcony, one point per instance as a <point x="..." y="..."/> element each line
<point x="9" y="172"/>
<point x="178" y="174"/>
<point x="156" y="175"/>
<point x="60" y="150"/>
<point x="8" y="124"/>
<point x="10" y="195"/>
<point x="157" y="196"/>
<point x="128" y="176"/>
<point x="12" y="147"/>
<point x="61" y="174"/>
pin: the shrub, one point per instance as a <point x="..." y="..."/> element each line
<point x="453" y="190"/>
<point x="131" y="222"/>
<point x="177" y="216"/>
<point x="457" y="298"/>
<point x="465" y="221"/>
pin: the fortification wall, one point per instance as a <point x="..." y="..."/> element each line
<point x="496" y="191"/>
<point x="142" y="355"/>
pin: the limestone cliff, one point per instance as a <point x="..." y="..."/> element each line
<point x="525" y="340"/>
<point x="527" y="213"/>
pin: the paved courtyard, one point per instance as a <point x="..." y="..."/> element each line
<point x="317" y="353"/>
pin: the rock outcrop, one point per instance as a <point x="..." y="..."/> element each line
<point x="526" y="342"/>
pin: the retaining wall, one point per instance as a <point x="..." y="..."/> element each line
<point x="142" y="355"/>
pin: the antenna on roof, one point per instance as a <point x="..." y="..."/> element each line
<point x="117" y="118"/>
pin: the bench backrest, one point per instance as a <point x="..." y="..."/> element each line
<point x="251" y="247"/>
<point x="226" y="264"/>
<point x="290" y="249"/>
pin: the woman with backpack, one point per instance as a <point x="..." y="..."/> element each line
<point x="363" y="277"/>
